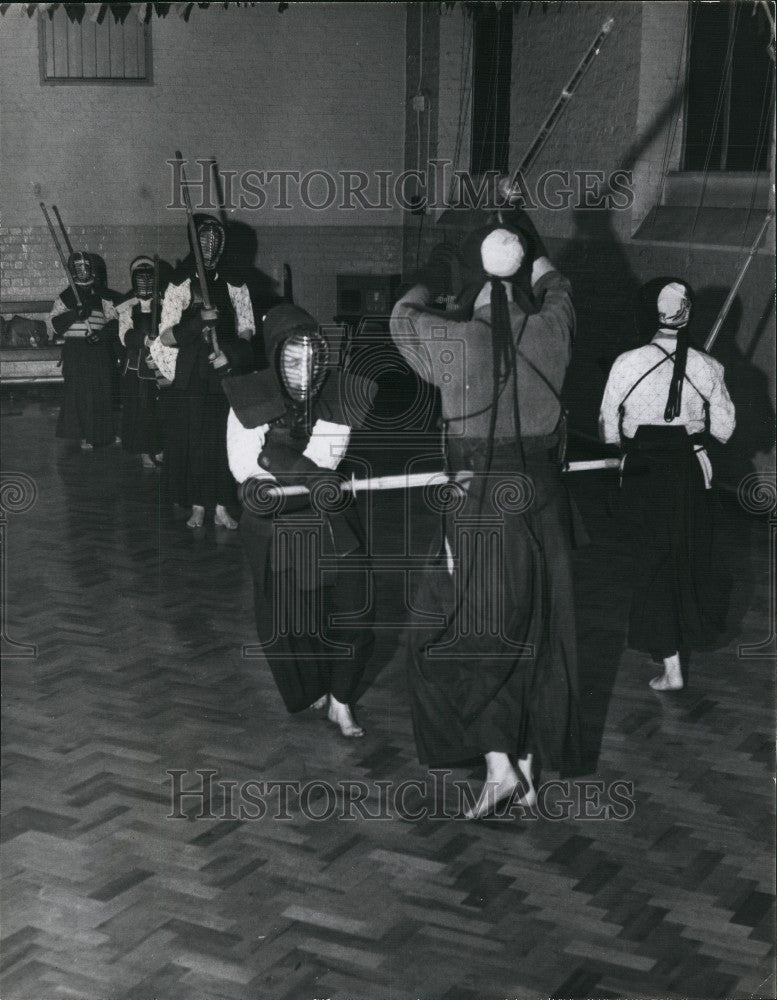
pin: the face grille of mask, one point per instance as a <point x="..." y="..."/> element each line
<point x="143" y="282"/>
<point x="211" y="237"/>
<point x="81" y="269"/>
<point x="303" y="362"/>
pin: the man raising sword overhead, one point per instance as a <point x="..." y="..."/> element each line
<point x="499" y="678"/>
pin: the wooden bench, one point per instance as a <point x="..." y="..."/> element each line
<point x="29" y="365"/>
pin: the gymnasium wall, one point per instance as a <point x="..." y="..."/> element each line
<point x="320" y="87"/>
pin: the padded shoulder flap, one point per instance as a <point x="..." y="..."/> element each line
<point x="255" y="398"/>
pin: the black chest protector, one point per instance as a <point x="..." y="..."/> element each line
<point x="137" y="352"/>
<point x="195" y="351"/>
<point x="218" y="291"/>
<point x="141" y="322"/>
<point x="90" y="297"/>
<point x="289" y="431"/>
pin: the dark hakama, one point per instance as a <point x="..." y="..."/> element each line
<point x="140" y="416"/>
<point x="501" y="674"/>
<point x="140" y="424"/>
<point x="88" y="371"/>
<point x="196" y="467"/>
<point x="297" y="602"/>
<point x="680" y="597"/>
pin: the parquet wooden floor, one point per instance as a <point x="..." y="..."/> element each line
<point x="139" y="627"/>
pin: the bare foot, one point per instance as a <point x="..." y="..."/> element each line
<point x="667" y="682"/>
<point x="342" y="715"/>
<point x="147" y="462"/>
<point x="672" y="677"/>
<point x="85" y="446"/>
<point x="322" y="702"/>
<point x="159" y="458"/>
<point x="498" y="788"/>
<point x="198" y="517"/>
<point x="223" y="519"/>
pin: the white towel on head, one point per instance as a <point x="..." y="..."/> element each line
<point x="502" y="253"/>
<point x="673" y="304"/>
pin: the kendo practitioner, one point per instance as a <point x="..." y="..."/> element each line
<point x="88" y="326"/>
<point x="208" y="345"/>
<point x="141" y="419"/>
<point x="661" y="404"/>
<point x="508" y="692"/>
<point x="290" y="424"/>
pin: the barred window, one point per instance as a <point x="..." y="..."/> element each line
<point x="729" y="103"/>
<point x="86" y="50"/>
<point x="491" y="58"/>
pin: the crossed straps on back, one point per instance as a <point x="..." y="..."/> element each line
<point x="666" y="357"/>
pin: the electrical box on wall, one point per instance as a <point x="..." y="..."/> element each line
<point x="419" y="102"/>
<point x="366" y="294"/>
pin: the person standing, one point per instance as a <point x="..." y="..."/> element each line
<point x="206" y="344"/>
<point x="662" y="403"/>
<point x="141" y="425"/>
<point x="499" y="678"/>
<point x="87" y="325"/>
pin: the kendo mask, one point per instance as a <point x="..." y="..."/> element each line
<point x="142" y="274"/>
<point x="81" y="268"/>
<point x="300" y="352"/>
<point x="212" y="238"/>
<point x="303" y="360"/>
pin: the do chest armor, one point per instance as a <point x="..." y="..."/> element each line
<point x="193" y="355"/>
<point x="137" y="357"/>
<point x="219" y="296"/>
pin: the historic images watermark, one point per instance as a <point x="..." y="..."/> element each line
<point x="206" y="796"/>
<point x="757" y="494"/>
<point x="475" y="551"/>
<point x="18" y="494"/>
<point x="438" y="187"/>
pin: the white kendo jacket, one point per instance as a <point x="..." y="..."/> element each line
<point x="643" y="394"/>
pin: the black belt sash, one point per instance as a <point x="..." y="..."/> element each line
<point x="661" y="442"/>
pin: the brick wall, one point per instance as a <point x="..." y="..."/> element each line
<point x="626" y="114"/>
<point x="319" y="87"/>
<point x="329" y="87"/>
<point x="30" y="268"/>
